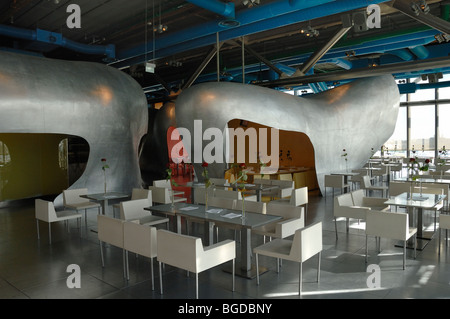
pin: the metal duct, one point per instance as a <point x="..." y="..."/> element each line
<point x="264" y="17"/>
<point x="222" y="8"/>
<point x="57" y="39"/>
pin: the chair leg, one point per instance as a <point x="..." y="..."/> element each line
<point x="153" y="275"/>
<point x="366" y="249"/>
<point x="196" y="285"/>
<point x="257" y="270"/>
<point x="404" y="254"/>
<point x="300" y="278"/>
<point x="127" y="269"/>
<point x="101" y="253"/>
<point x="439" y="242"/>
<point x="318" y="266"/>
<point x="50" y="233"/>
<point x="160" y="279"/>
<point x="335" y="227"/>
<point x="37" y="226"/>
<point x="234" y="265"/>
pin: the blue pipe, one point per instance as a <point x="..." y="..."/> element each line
<point x="413" y="87"/>
<point x="56" y="39"/>
<point x="420" y="51"/>
<point x="403" y="54"/>
<point x="265" y="17"/>
<point x="224" y="9"/>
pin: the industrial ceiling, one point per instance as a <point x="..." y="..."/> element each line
<point x="170" y="45"/>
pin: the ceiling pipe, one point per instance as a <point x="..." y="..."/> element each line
<point x="394" y="68"/>
<point x="56" y="39"/>
<point x="224" y="9"/>
<point x="420" y="51"/>
<point x="256" y="19"/>
<point x="404" y="6"/>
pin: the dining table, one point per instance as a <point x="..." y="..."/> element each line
<point x="418" y="202"/>
<point x="231" y="217"/>
<point x="105" y="197"/>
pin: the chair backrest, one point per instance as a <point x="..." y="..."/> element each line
<point x="285" y="177"/>
<point x="428" y="190"/>
<point x="44" y="210"/>
<point x="397" y="187"/>
<point x="160" y="194"/>
<point x="340" y="203"/>
<point x="307" y="242"/>
<point x="336" y="181"/>
<point x="263" y="181"/>
<point x="252" y="206"/>
<point x="72" y="196"/>
<point x="299" y="196"/>
<point x="357" y="197"/>
<point x="387" y="224"/>
<point x="110" y="230"/>
<point x="220" y="202"/>
<point x="199" y="194"/>
<point x="134" y="209"/>
<point x="366" y="181"/>
<point x="178" y="250"/>
<point x="218" y="181"/>
<point x="285" y="211"/>
<point x="282" y="183"/>
<point x="140" y="239"/>
<point x="141" y="193"/>
<point x="223" y="193"/>
<point x="162" y="183"/>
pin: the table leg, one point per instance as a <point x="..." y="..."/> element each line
<point x="104" y="206"/>
<point x="209" y="233"/>
<point x="178" y="224"/>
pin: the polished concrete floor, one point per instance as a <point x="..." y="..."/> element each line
<point x="33" y="269"/>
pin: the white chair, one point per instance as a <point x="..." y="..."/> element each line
<point x="392" y="226"/>
<point x="292" y="219"/>
<point x="137" y="193"/>
<point x="188" y="253"/>
<point x="377" y="203"/>
<point x="45" y="211"/>
<point x="343" y="207"/>
<point x="299" y="197"/>
<point x="110" y="231"/>
<point x="162" y="195"/>
<point x="141" y="240"/>
<point x="307" y="242"/>
<point x="251" y="206"/>
<point x="368" y="187"/>
<point x="134" y="210"/>
<point x="219" y="182"/>
<point x="233" y="194"/>
<point x="72" y="200"/>
<point x="199" y="194"/>
<point x="335" y="181"/>
<point x="444" y="223"/>
<point x="167" y="184"/>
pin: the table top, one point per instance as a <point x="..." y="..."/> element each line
<point x="346" y="173"/>
<point x="426" y="201"/>
<point x="107" y="195"/>
<point x="216" y="214"/>
<point x="423" y="180"/>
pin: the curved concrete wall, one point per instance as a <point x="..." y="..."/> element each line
<point x="99" y="103"/>
<point x="356" y="117"/>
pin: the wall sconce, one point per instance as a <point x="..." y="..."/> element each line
<point x="310" y="32"/>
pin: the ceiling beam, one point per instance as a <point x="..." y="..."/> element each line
<point x="409" y="66"/>
<point x="405" y="6"/>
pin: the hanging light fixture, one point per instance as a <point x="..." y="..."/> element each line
<point x="160" y="28"/>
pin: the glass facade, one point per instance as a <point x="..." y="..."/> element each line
<point x="421" y="130"/>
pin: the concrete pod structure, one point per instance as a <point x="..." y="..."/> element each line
<point x="356" y="117"/>
<point x="101" y="104"/>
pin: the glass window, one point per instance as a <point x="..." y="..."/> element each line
<point x="397" y="143"/>
<point x="444" y="128"/>
<point x="422" y="130"/>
